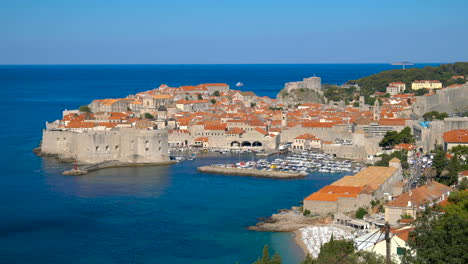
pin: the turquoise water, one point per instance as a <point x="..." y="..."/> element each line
<point x="167" y="214"/>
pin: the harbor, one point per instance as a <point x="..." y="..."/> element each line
<point x="301" y="163"/>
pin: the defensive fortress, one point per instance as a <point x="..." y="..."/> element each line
<point x="126" y="145"/>
<point x="450" y="100"/>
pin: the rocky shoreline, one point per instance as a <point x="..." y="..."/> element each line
<point x="86" y="168"/>
<point x="288" y="221"/>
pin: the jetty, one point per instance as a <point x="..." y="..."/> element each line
<point x="267" y="153"/>
<point x="111" y="164"/>
<point x="251" y="172"/>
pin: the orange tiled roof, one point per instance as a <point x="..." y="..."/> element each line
<point x="332" y="193"/>
<point x="404" y="146"/>
<point x="235" y="131"/>
<point x="162" y="96"/>
<point x="262" y="131"/>
<point x="80" y="124"/>
<point x="219" y="126"/>
<point x="421" y="195"/>
<point x="456" y="136"/>
<point x="392" y="122"/>
<point x="372" y="176"/>
<point x="305" y="136"/>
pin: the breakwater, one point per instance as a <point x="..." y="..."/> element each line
<point x="251" y="172"/>
<point x="112" y="164"/>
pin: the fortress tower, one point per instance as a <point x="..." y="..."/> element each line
<point x="377" y="110"/>
<point x="284" y="119"/>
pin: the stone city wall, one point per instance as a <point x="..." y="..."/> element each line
<point x="124" y="145"/>
<point x="450" y="100"/>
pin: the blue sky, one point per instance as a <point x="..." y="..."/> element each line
<point x="240" y="31"/>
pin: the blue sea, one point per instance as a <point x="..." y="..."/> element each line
<point x="165" y="214"/>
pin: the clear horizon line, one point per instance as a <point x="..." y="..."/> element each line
<point x="289" y="63"/>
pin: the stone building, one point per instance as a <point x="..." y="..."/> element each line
<point x="392" y="90"/>
<point x="151" y="102"/>
<point x="312" y="83"/>
<point x="426" y="84"/>
<point x="351" y="192"/>
<point x="430" y="134"/>
<point x="333" y="199"/>
<point x="306" y="142"/>
<point x="213" y="87"/>
<point x="453" y="138"/>
<point x="193" y="105"/>
<point x="127" y="145"/>
<point x="111" y="105"/>
<point x="401" y="86"/>
<point x="411" y="202"/>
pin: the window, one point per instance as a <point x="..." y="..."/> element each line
<point x="117" y="147"/>
<point x="400" y="250"/>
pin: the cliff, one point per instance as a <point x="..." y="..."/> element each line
<point x="301" y="95"/>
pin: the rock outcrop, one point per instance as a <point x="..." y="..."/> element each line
<point x="288" y="221"/>
<point x="309" y="90"/>
<point x="301" y="95"/>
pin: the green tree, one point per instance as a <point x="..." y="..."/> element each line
<point x="253" y="104"/>
<point x="84" y="108"/>
<point x="213" y="101"/>
<point x="463" y="185"/>
<point x="441" y="236"/>
<point x="378" y="82"/>
<point x="265" y="258"/>
<point x="429" y="116"/>
<point x="336" y="251"/>
<point x="405" y="136"/>
<point x="343" y="252"/>
<point x="421" y="92"/>
<point x="200" y="97"/>
<point x="461" y="151"/>
<point x="148" y="116"/>
<point x="453" y="167"/>
<point x="361" y="212"/>
<point x="390" y="139"/>
<point x="402" y="155"/>
<point x="440" y="160"/>
<point x="216" y="93"/>
<point x="393" y="138"/>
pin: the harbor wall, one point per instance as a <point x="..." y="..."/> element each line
<point x="123" y="145"/>
<point x="250" y="172"/>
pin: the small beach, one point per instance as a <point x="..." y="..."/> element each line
<point x="299" y="242"/>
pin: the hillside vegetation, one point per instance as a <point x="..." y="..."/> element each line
<point x="378" y="82"/>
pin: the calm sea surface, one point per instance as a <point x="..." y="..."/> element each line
<point x="168" y="214"/>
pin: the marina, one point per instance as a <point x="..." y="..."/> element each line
<point x="303" y="163"/>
